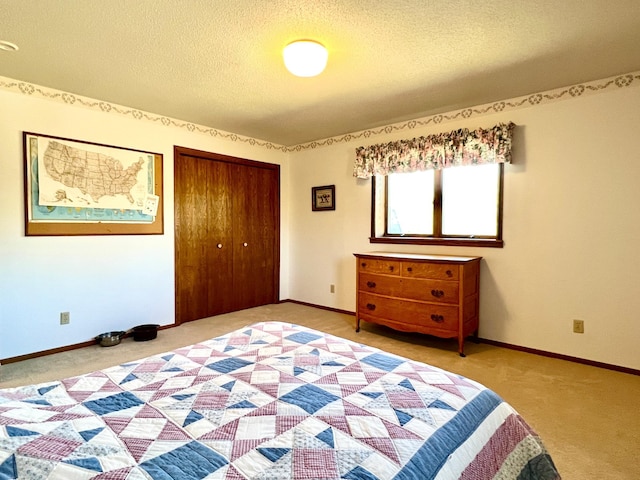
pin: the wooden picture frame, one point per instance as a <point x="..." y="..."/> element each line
<point x="73" y="187"/>
<point x="323" y="198"/>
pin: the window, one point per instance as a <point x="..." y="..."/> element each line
<point x="449" y="206"/>
<point x="441" y="189"/>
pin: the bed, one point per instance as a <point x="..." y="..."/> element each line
<point x="270" y="401"/>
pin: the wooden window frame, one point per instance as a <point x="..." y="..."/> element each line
<point x="437" y="238"/>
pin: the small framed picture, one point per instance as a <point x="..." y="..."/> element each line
<point x="323" y="198"/>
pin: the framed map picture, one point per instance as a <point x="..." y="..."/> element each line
<point x="323" y="198"/>
<point x="82" y="188"/>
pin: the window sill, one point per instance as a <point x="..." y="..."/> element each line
<point x="454" y="242"/>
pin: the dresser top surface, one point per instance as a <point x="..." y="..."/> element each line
<point x="417" y="256"/>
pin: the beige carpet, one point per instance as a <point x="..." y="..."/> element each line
<point x="588" y="417"/>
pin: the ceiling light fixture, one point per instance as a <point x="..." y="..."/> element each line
<point x="305" y="58"/>
<point x="8" y="46"/>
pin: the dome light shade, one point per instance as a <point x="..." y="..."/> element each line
<point x="305" y="58"/>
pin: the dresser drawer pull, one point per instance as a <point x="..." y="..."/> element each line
<point x="371" y="284"/>
<point x="449" y="273"/>
<point x="437" y="318"/>
<point x="371" y="306"/>
<point x="391" y="267"/>
<point x="409" y="269"/>
<point x="437" y="293"/>
<point x="363" y="264"/>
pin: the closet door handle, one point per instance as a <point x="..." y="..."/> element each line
<point x="219" y="245"/>
<point x="245" y="244"/>
<point x="371" y="284"/>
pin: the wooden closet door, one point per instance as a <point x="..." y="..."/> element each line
<point x="255" y="226"/>
<point x="221" y="203"/>
<point x="204" y="240"/>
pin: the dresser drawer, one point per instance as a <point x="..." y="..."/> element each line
<point x="436" y="271"/>
<point x="380" y="284"/>
<point x="436" y="291"/>
<point x="430" y="290"/>
<point x="444" y="317"/>
<point x="372" y="265"/>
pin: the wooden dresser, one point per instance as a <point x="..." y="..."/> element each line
<point x="433" y="294"/>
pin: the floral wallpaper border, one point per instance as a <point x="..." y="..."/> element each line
<point x="564" y="93"/>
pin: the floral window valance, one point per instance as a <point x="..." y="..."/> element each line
<point x="452" y="149"/>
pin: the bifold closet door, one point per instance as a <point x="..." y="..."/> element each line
<point x="227" y="233"/>
<point x="255" y="227"/>
<point x="204" y="239"/>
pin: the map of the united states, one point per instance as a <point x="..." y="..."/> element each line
<point x="94" y="174"/>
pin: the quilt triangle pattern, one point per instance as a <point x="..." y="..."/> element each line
<point x="270" y="401"/>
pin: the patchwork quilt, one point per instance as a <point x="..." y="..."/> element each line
<point x="271" y="401"/>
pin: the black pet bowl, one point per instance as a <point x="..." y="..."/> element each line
<point x="143" y="333"/>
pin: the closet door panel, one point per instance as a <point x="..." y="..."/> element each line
<point x="255" y="228"/>
<point x="189" y="248"/>
<point x="219" y="242"/>
<point x="203" y="221"/>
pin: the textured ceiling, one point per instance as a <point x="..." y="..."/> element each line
<point x="217" y="63"/>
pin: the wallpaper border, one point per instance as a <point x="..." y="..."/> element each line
<point x="563" y="93"/>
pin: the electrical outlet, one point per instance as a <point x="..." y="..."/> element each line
<point x="64" y="318"/>
<point x="332" y="288"/>
<point x="578" y="326"/>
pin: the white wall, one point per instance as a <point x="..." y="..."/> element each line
<point x="571" y="227"/>
<point x="105" y="282"/>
